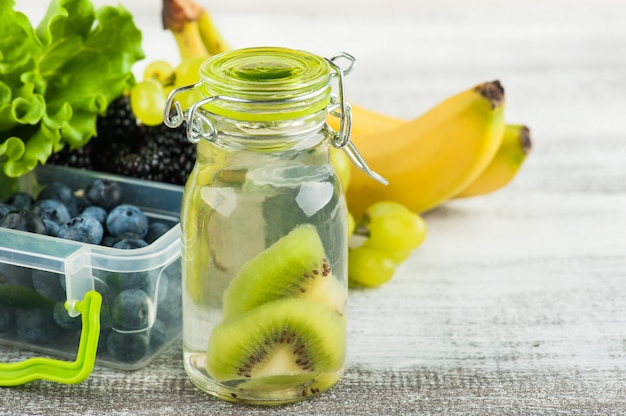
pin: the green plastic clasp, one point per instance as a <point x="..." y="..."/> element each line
<point x="66" y="372"/>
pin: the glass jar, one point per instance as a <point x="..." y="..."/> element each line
<point x="264" y="228"/>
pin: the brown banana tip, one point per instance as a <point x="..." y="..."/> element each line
<point x="525" y="140"/>
<point x="175" y="13"/>
<point x="492" y="91"/>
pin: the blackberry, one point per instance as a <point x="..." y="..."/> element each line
<point x="117" y="125"/>
<point x="107" y="157"/>
<point x="123" y="147"/>
<point x="75" y="158"/>
<point x="178" y="153"/>
<point x="148" y="162"/>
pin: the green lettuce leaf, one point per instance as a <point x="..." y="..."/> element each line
<point x="57" y="78"/>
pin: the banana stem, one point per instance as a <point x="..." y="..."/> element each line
<point x="181" y="18"/>
<point x="176" y="12"/>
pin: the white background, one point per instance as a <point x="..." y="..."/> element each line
<point x="420" y="48"/>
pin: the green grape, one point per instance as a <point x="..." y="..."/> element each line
<point x="369" y="267"/>
<point x="393" y="228"/>
<point x="147" y="101"/>
<point x="188" y="98"/>
<point x="188" y="71"/>
<point x="160" y="71"/>
<point x="351" y="224"/>
<point x="341" y="163"/>
<point x="381" y="208"/>
<point x="400" y="255"/>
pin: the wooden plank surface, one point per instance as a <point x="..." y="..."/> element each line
<point x="516" y="303"/>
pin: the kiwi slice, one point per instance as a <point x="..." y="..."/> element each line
<point x="304" y="385"/>
<point x="284" y="342"/>
<point x="294" y="266"/>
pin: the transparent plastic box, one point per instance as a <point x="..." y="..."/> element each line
<point x="37" y="272"/>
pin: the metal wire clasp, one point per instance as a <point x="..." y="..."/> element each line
<point x="198" y="125"/>
<point x="341" y="139"/>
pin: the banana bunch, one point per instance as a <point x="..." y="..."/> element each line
<point x="461" y="147"/>
<point x="515" y="146"/>
<point x="194" y="31"/>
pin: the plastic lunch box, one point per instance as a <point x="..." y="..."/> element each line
<point x="85" y="271"/>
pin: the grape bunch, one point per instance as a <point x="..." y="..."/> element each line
<point x="388" y="233"/>
<point x="148" y="97"/>
<point x="382" y="238"/>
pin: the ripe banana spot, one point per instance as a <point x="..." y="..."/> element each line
<point x="524" y="138"/>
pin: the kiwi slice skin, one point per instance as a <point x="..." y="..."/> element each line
<point x="294" y="266"/>
<point x="293" y="340"/>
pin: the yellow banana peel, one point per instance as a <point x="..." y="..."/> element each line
<point x="505" y="165"/>
<point x="210" y="35"/>
<point x="366" y="121"/>
<point x="189" y="42"/>
<point x="515" y="147"/>
<point x="431" y="158"/>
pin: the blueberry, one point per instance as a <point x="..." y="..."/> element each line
<point x="48" y="284"/>
<point x="63" y="318"/>
<point x="5" y="209"/>
<point x="76" y="206"/>
<point x="127" y="347"/>
<point x="102" y="340"/>
<point x="83" y="229"/>
<point x="57" y="190"/>
<point x="106" y="320"/>
<point x="52" y="228"/>
<point x="155" y="230"/>
<point x="129" y="244"/>
<point x="126" y="235"/>
<point x="158" y="334"/>
<point x="108" y="241"/>
<point x="132" y="309"/>
<point x="125" y="218"/>
<point x="23" y="220"/>
<point x="157" y="286"/>
<point x="118" y="281"/>
<point x="16" y="275"/>
<point x="36" y="325"/>
<point x="7" y="318"/>
<point x="170" y="309"/>
<point x="96" y="212"/>
<point x="104" y="193"/>
<point x="19" y="200"/>
<point x="51" y="209"/>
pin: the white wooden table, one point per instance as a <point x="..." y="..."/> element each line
<point x="516" y="303"/>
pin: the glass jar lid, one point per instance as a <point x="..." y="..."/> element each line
<point x="266" y="83"/>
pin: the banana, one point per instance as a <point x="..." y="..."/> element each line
<point x="181" y="18"/>
<point x="515" y="147"/>
<point x="189" y="43"/>
<point x="211" y="37"/>
<point x="366" y="121"/>
<point x="433" y="157"/>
